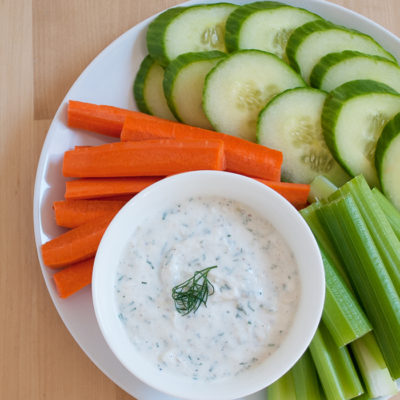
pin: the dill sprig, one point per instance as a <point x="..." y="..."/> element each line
<point x="189" y="295"/>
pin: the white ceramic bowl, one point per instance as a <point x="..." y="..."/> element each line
<point x="273" y="208"/>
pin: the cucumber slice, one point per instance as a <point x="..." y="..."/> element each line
<point x="148" y="89"/>
<point x="387" y="160"/>
<point x="189" y="71"/>
<point x="337" y="68"/>
<point x="239" y="86"/>
<point x="264" y="25"/>
<point x="312" y="41"/>
<point x="188" y="29"/>
<point x="352" y="120"/>
<point x="291" y="123"/>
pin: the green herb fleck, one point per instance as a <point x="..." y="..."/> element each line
<point x="189" y="295"/>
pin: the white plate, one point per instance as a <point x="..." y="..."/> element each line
<point x="108" y="80"/>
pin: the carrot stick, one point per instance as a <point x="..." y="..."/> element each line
<point x="77" y="244"/>
<point x="106" y="187"/>
<point x="146" y="158"/>
<point x="295" y="193"/>
<point x="73" y="278"/>
<point x="123" y="197"/>
<point x="242" y="156"/>
<point x="106" y="120"/>
<point x="72" y="213"/>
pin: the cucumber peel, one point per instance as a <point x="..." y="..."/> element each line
<point x="189" y="71"/>
<point x="387" y="160"/>
<point x="315" y="39"/>
<point x="188" y="29"/>
<point x="334" y="69"/>
<point x="148" y="89"/>
<point x="264" y="25"/>
<point x="352" y="120"/>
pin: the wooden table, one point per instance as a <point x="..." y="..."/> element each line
<point x="44" y="46"/>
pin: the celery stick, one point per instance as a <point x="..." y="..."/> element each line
<point x="391" y="212"/>
<point x="335" y="368"/>
<point x="283" y="388"/>
<point x="320" y="188"/>
<point x="367" y="273"/>
<point x="382" y="233"/>
<point x="364" y="396"/>
<point x="305" y="378"/>
<point x="324" y="242"/>
<point x="342" y="314"/>
<point x="372" y="367"/>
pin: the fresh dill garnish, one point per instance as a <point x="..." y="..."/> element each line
<point x="189" y="295"/>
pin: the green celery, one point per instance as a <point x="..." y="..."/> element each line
<point x="320" y="188"/>
<point x="391" y="212"/>
<point x="372" y="366"/>
<point x="283" y="388"/>
<point x="305" y="378"/>
<point x="342" y="314"/>
<point x="324" y="242"/>
<point x="367" y="273"/>
<point x="364" y="396"/>
<point x="382" y="233"/>
<point x="335" y="368"/>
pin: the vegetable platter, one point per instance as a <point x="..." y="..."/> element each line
<point x="108" y="80"/>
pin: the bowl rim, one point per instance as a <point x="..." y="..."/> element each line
<point x="224" y="389"/>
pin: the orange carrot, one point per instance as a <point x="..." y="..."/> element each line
<point x="242" y="156"/>
<point x="122" y="197"/>
<point x="73" y="278"/>
<point x="77" y="244"/>
<point x="106" y="120"/>
<point x="295" y="193"/>
<point x="106" y="187"/>
<point x="146" y="158"/>
<point x="72" y="213"/>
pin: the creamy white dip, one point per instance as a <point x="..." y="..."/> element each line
<point x="256" y="288"/>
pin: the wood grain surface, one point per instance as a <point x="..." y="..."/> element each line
<point x="44" y="46"/>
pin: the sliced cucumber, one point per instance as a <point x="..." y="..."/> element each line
<point x="264" y="25"/>
<point x="291" y="123"/>
<point x="337" y="68"/>
<point x="188" y="29"/>
<point x="148" y="89"/>
<point x="239" y="86"/>
<point x="352" y="121"/>
<point x="183" y="86"/>
<point x="312" y="41"/>
<point x="387" y="160"/>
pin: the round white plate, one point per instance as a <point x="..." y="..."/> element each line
<point x="108" y="80"/>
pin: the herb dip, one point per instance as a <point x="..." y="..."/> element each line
<point x="256" y="288"/>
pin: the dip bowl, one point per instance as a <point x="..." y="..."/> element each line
<point x="273" y="208"/>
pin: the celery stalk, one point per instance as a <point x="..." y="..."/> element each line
<point x="382" y="233"/>
<point x="367" y="273"/>
<point x="342" y="314"/>
<point x="320" y="188"/>
<point x="364" y="396"/>
<point x="391" y="212"/>
<point x="305" y="378"/>
<point x="372" y="367"/>
<point x="324" y="242"/>
<point x="283" y="388"/>
<point x="335" y="368"/>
